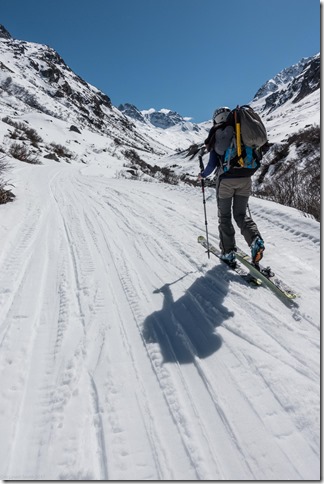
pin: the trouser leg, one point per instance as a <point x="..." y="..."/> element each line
<point x="225" y="226"/>
<point x="248" y="228"/>
<point x="236" y="191"/>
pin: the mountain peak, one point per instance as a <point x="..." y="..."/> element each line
<point x="164" y="118"/>
<point x="282" y="80"/>
<point x="291" y="85"/>
<point x="4" y="34"/>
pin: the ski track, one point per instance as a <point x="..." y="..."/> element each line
<point x="108" y="374"/>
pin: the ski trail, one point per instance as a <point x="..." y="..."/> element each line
<point x="164" y="379"/>
<point x="115" y="449"/>
<point x="15" y="263"/>
<point x="27" y="330"/>
<point x="136" y="216"/>
<point x="139" y="358"/>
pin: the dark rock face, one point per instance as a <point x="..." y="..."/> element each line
<point x="131" y="111"/>
<point x="4" y="34"/>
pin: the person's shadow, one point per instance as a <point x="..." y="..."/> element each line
<point x="186" y="328"/>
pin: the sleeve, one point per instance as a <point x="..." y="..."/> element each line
<point x="213" y="163"/>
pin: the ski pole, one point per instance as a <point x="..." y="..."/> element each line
<point x="201" y="165"/>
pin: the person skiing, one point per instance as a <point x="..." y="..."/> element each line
<point x="233" y="189"/>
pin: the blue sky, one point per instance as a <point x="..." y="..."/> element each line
<point x="190" y="56"/>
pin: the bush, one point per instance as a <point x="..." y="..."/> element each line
<point x="5" y="194"/>
<point x="33" y="136"/>
<point x="165" y="174"/>
<point x="61" y="151"/>
<point x="294" y="182"/>
<point x="20" y="127"/>
<point x="297" y="188"/>
<point x="22" y="153"/>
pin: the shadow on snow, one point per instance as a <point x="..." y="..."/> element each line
<point x="186" y="328"/>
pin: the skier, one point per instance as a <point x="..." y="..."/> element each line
<point x="233" y="189"/>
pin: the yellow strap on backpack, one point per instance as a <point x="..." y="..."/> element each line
<point x="238" y="139"/>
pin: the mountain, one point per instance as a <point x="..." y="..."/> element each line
<point x="289" y="105"/>
<point x="164" y="119"/>
<point x="296" y="81"/>
<point x="42" y="98"/>
<point x="291" y="100"/>
<point x="35" y="79"/>
<point x="172" y="129"/>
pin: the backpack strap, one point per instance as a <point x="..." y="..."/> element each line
<point x="238" y="137"/>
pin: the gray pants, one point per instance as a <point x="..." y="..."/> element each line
<point x="234" y="193"/>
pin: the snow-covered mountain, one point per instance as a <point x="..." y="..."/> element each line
<point x="291" y="100"/>
<point x="39" y="91"/>
<point x="297" y="81"/>
<point x="301" y="73"/>
<point x="168" y="126"/>
<point x="289" y="105"/>
<point x="164" y="118"/>
<point x="38" y="88"/>
<point x="35" y="80"/>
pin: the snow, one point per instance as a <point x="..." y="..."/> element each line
<point x="290" y="117"/>
<point x="127" y="354"/>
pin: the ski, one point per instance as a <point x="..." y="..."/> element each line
<point x="237" y="267"/>
<point x="266" y="275"/>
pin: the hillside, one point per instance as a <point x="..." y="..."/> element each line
<point x="62" y="97"/>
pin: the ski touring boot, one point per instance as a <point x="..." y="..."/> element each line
<point x="257" y="249"/>
<point x="229" y="258"/>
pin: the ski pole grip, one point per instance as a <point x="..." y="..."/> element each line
<point x="201" y="164"/>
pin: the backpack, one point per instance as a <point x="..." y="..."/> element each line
<point x="250" y="135"/>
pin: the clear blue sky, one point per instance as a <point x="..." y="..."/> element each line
<point x="190" y="56"/>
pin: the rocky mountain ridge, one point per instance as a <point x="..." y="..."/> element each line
<point x="293" y="83"/>
<point x="164" y="118"/>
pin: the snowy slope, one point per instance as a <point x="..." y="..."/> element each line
<point x="35" y="79"/>
<point x="127" y="355"/>
<point x="291" y="100"/>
